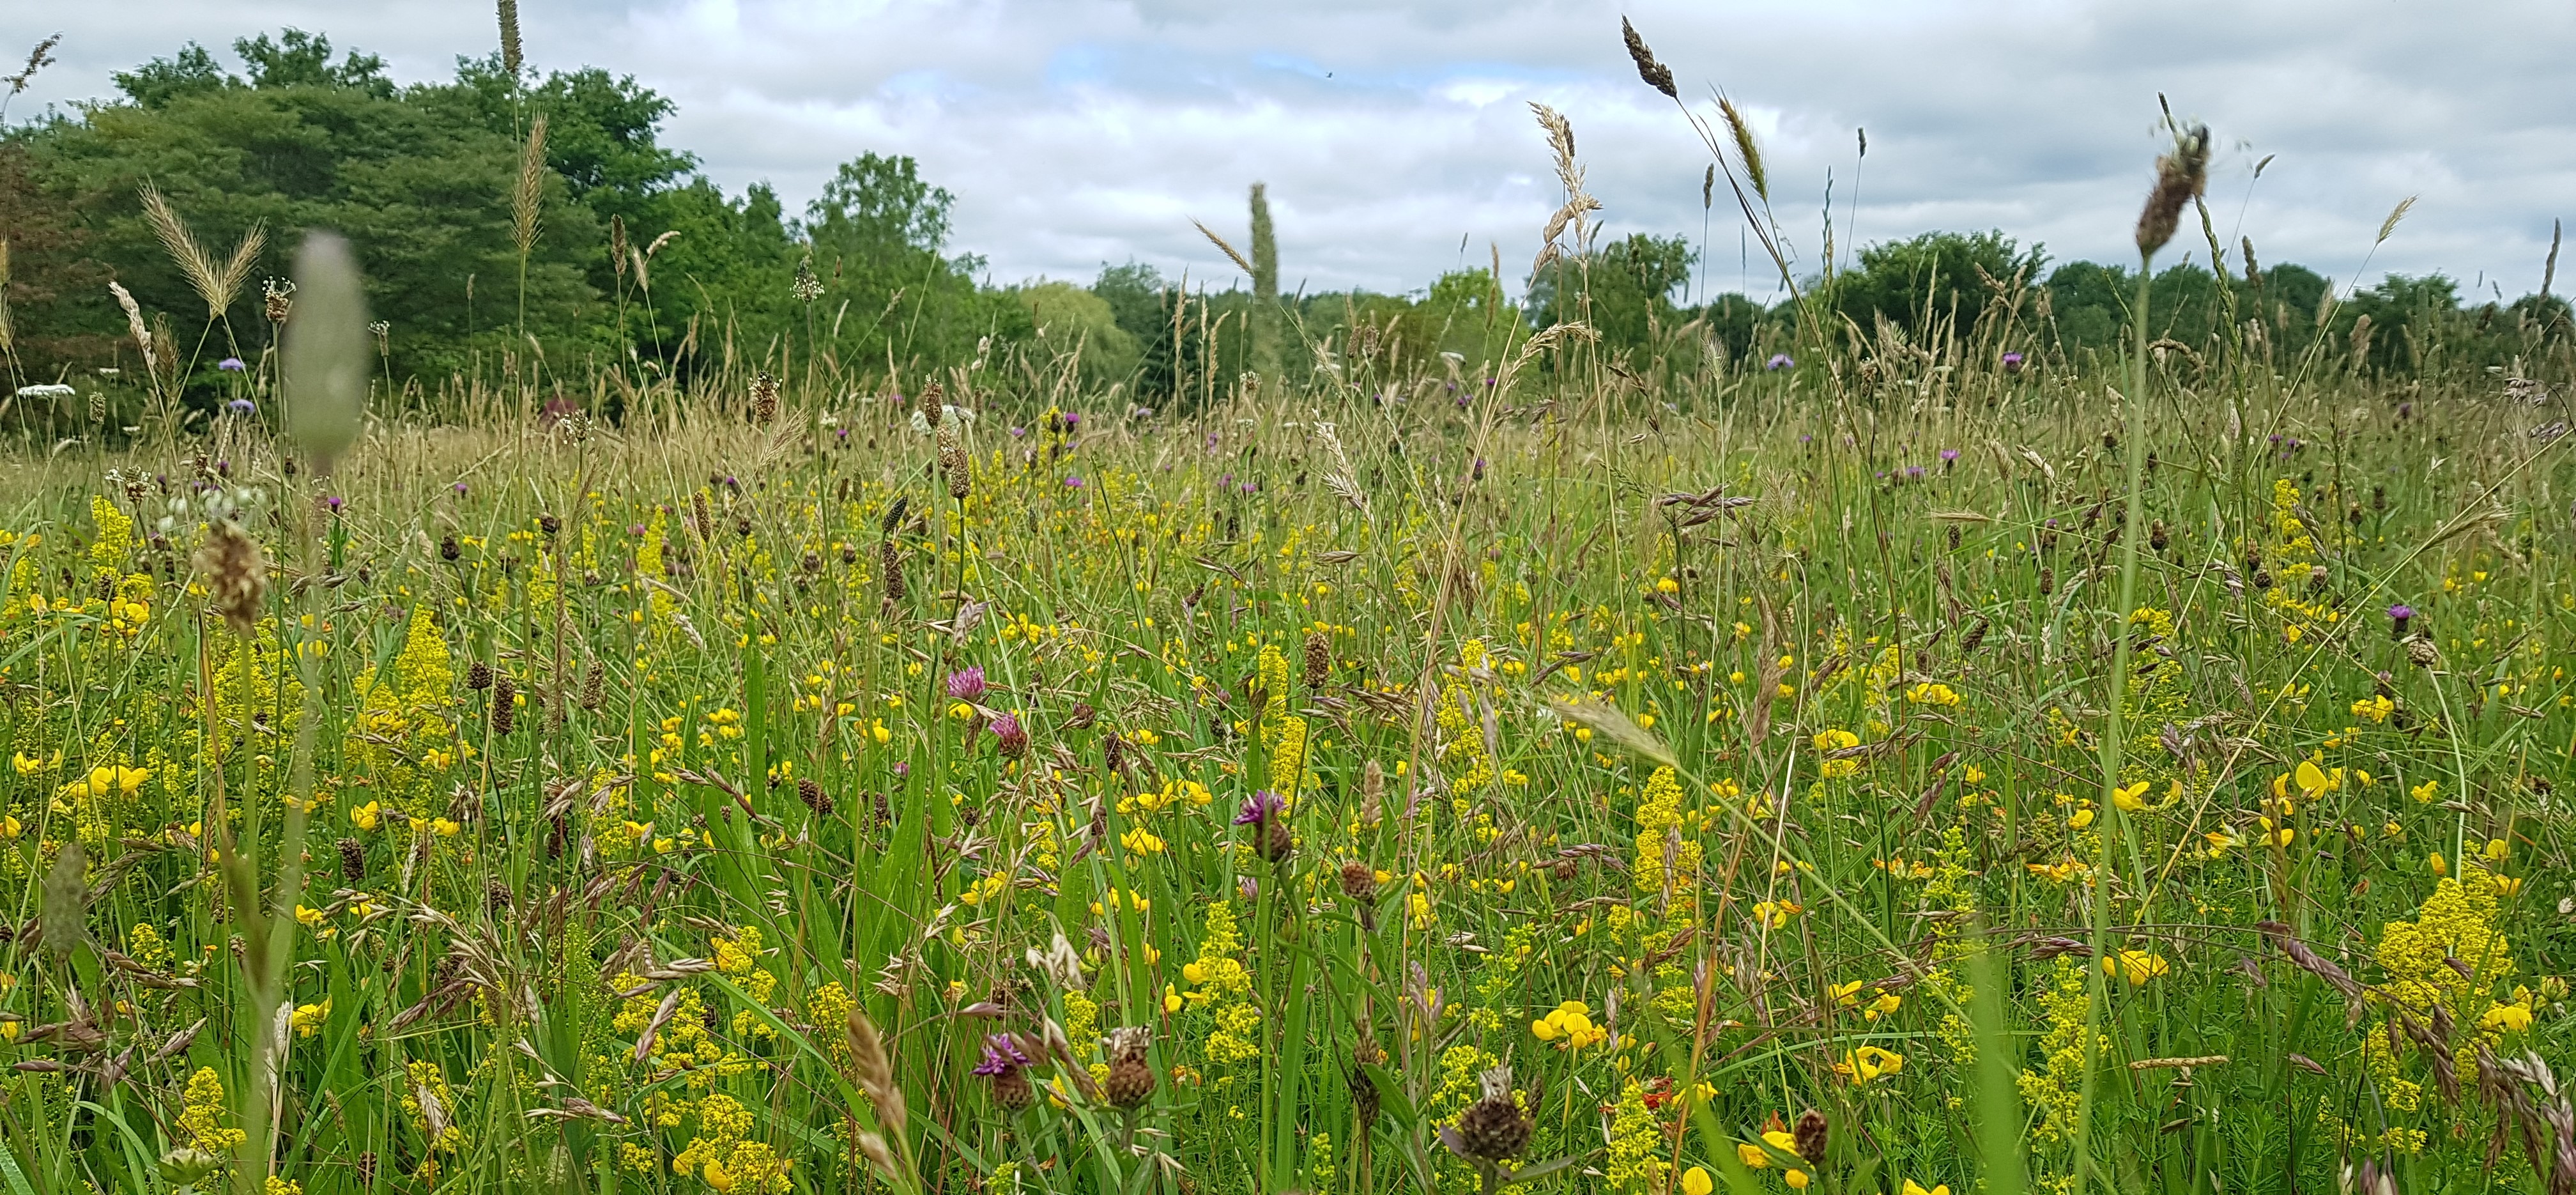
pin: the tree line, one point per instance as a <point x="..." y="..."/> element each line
<point x="538" y="220"/>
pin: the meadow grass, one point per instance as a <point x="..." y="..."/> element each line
<point x="749" y="806"/>
<point x="1909" y="769"/>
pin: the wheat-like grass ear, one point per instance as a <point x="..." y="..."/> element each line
<point x="1239" y="260"/>
<point x="183" y="249"/>
<point x="527" y="196"/>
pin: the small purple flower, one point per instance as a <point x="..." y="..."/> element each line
<point x="1073" y="483"/>
<point x="1001" y="1054"/>
<point x="242" y="407"/>
<point x="966" y="684"/>
<point x="1267" y="813"/>
<point x="635" y="529"/>
<point x="334" y="502"/>
<point x="902" y="769"/>
<point x="1009" y="737"/>
<point x="2397" y="618"/>
<point x="2012" y="362"/>
<point x="1781" y="361"/>
<point x="1071" y="420"/>
<point x="842" y="432"/>
<point x="1260" y="807"/>
<point x="1914" y="472"/>
<point x="1948" y="455"/>
<point x="1018" y="432"/>
<point x="1251" y="488"/>
<point x="460" y="489"/>
<point x="231" y="365"/>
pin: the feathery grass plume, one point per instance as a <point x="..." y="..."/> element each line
<point x="37" y="59"/>
<point x="236" y="578"/>
<point x="2180" y="177"/>
<point x="2388" y="227"/>
<point x="1569" y="176"/>
<point x="325" y="351"/>
<point x="1231" y="255"/>
<point x="1656" y="74"/>
<point x="217" y="285"/>
<point x="528" y="194"/>
<point x="1708" y="187"/>
<point x="1746" y="151"/>
<point x="133" y="318"/>
<point x="510" y="57"/>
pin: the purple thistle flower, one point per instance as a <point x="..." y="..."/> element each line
<point x="1259" y="808"/>
<point x="1073" y="483"/>
<point x="967" y="684"/>
<point x="1913" y="472"/>
<point x="1948" y="455"/>
<point x="1001" y="1054"/>
<point x="1009" y="737"/>
<point x="231" y="365"/>
<point x="460" y="489"/>
<point x="1018" y="432"/>
<point x="1781" y="361"/>
<point x="2397" y="618"/>
<point x="1071" y="420"/>
<point x="2012" y="362"/>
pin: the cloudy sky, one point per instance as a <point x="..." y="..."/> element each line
<point x="1397" y="143"/>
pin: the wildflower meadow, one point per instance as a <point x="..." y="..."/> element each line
<point x="1907" y="761"/>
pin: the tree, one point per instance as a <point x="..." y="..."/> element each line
<point x="1936" y="279"/>
<point x="1625" y="290"/>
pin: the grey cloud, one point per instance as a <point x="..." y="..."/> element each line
<point x="1077" y="131"/>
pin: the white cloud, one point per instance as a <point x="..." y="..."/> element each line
<point x="1077" y="131"/>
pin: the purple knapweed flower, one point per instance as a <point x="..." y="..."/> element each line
<point x="231" y="365"/>
<point x="242" y="407"/>
<point x="1780" y="361"/>
<point x="1001" y="1054"/>
<point x="1073" y="483"/>
<point x="1260" y="807"/>
<point x="2012" y="362"/>
<point x="1009" y="737"/>
<point x="2397" y="619"/>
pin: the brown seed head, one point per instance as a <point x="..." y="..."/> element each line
<point x="236" y="577"/>
<point x="1810" y="1135"/>
<point x="2180" y="176"/>
<point x="505" y="702"/>
<point x="1656" y="74"/>
<point x="1319" y="659"/>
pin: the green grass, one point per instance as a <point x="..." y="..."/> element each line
<point x="503" y="927"/>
